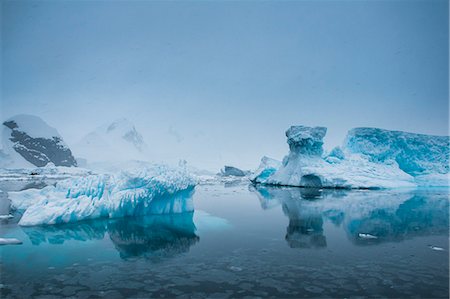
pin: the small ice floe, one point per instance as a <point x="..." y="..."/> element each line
<point x="436" y="248"/>
<point x="236" y="269"/>
<point x="367" y="236"/>
<point x="9" y="241"/>
<point x="9" y="216"/>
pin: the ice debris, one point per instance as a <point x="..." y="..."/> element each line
<point x="10" y="241"/>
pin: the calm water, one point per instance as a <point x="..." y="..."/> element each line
<point x="243" y="241"/>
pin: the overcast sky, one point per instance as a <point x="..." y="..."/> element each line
<point x="218" y="82"/>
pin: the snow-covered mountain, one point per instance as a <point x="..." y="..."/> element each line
<point x="28" y="141"/>
<point x="118" y="141"/>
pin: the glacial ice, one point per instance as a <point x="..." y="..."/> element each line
<point x="267" y="167"/>
<point x="369" y="158"/>
<point x="415" y="154"/>
<point x="231" y="171"/>
<point x="133" y="192"/>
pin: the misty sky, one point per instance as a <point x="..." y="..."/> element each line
<point x="218" y="82"/>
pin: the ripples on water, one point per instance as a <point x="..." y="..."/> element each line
<point x="244" y="241"/>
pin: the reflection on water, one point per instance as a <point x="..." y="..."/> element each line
<point x="155" y="235"/>
<point x="60" y="233"/>
<point x="367" y="217"/>
<point x="159" y="235"/>
<point x="266" y="242"/>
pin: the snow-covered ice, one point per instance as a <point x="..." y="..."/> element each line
<point x="138" y="191"/>
<point x="369" y="158"/>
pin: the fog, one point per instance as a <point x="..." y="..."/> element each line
<point x="219" y="82"/>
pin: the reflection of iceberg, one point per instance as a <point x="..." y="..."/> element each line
<point x="148" y="190"/>
<point x="146" y="236"/>
<point x="154" y="235"/>
<point x="305" y="227"/>
<point x="157" y="235"/>
<point x="59" y="233"/>
<point x="387" y="215"/>
<point x="417" y="216"/>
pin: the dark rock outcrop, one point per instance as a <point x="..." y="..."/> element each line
<point x="39" y="151"/>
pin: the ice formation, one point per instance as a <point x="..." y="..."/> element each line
<point x="28" y="141"/>
<point x="231" y="171"/>
<point x="370" y="158"/>
<point x="134" y="192"/>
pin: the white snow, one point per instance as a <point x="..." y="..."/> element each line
<point x="34" y="126"/>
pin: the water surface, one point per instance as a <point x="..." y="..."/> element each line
<point x="244" y="241"/>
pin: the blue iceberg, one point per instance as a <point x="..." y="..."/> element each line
<point x="144" y="191"/>
<point x="370" y="158"/>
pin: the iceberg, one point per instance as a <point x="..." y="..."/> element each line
<point x="231" y="171"/>
<point x="267" y="167"/>
<point x="134" y="192"/>
<point x="369" y="159"/>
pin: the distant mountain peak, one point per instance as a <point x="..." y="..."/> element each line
<point x="118" y="140"/>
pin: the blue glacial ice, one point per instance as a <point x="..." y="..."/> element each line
<point x="369" y="158"/>
<point x="135" y="192"/>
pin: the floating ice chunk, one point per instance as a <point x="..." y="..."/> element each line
<point x="367" y="236"/>
<point x="10" y="241"/>
<point x="267" y="167"/>
<point x="436" y="248"/>
<point x="9" y="216"/>
<point x="370" y="158"/>
<point x="231" y="171"/>
<point x="155" y="190"/>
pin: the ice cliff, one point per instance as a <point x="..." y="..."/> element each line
<point x="369" y="158"/>
<point x="28" y="141"/>
<point x="155" y="190"/>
